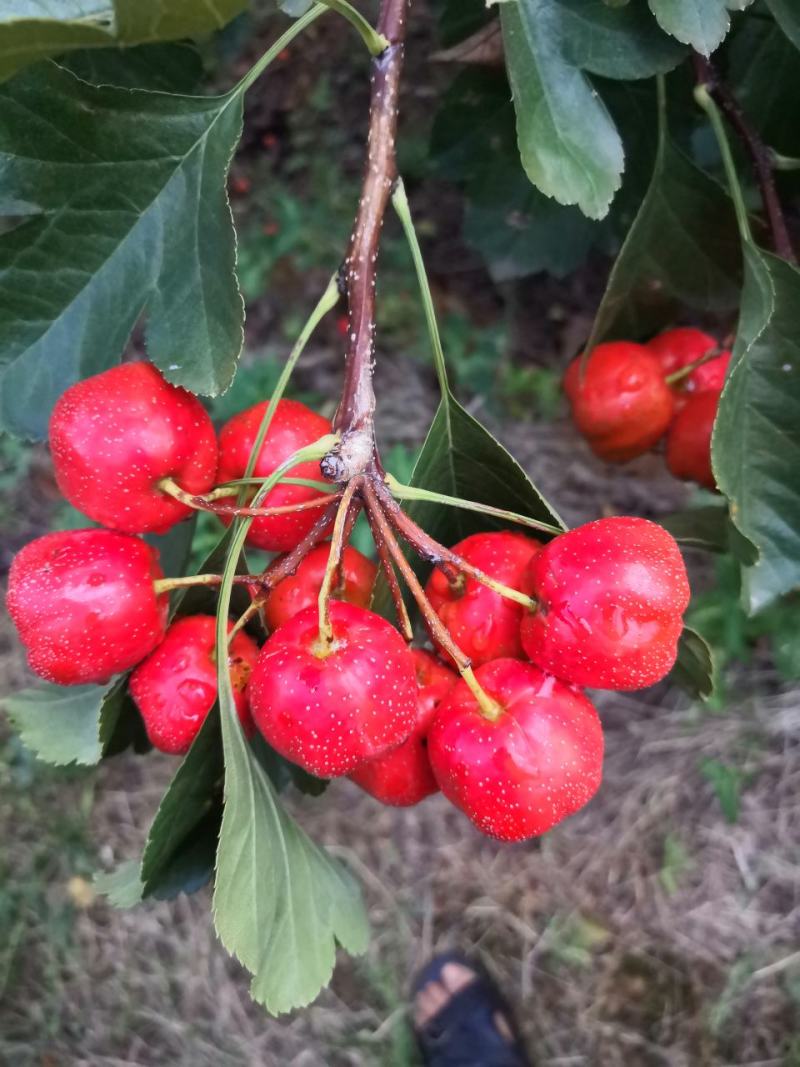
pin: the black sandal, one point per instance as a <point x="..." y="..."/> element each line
<point x="463" y="1033"/>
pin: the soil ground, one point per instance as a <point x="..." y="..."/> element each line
<point x="657" y="927"/>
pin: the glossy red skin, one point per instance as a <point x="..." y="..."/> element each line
<point x="677" y="348"/>
<point x="611" y="595"/>
<point x="293" y="426"/>
<point x="484" y="624"/>
<point x="330" y="713"/>
<point x="84" y="604"/>
<point x="301" y="589"/>
<point x="175" y="687"/>
<point x="539" y="762"/>
<point x="403" y="777"/>
<point x="115" y="435"/>
<point x="623" y="406"/>
<point x="688" y="451"/>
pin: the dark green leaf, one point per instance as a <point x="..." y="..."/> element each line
<point x="706" y="527"/>
<point x="142" y="223"/>
<point x="174" y="547"/>
<point x="765" y="71"/>
<point x="191" y="865"/>
<point x="616" y="42"/>
<point x="787" y="14"/>
<point x="62" y="724"/>
<point x="694" y="668"/>
<point x="700" y="23"/>
<point x="122" y="886"/>
<point x="756" y="442"/>
<point x="569" y="145"/>
<point x="166" y="68"/>
<point x="34" y="29"/>
<point x="191" y="797"/>
<point x="683" y="248"/>
<point x="280" y="902"/>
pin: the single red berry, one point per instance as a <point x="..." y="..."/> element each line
<point x="353" y="583"/>
<point x="520" y="774"/>
<point x="84" y="604"/>
<point x="293" y="426"/>
<point x="175" y="687"/>
<point x="688" y="451"/>
<point x="622" y="405"/>
<point x="675" y="349"/>
<point x="403" y="777"/>
<point x="610" y="599"/>
<point x="329" y="707"/>
<point x="484" y="624"/>
<point x="116" y="435"/>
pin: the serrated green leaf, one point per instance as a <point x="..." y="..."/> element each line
<point x="568" y="143"/>
<point x="694" y="667"/>
<point x="683" y="248"/>
<point x="31" y="30"/>
<point x="192" y="795"/>
<point x="62" y="724"/>
<point x="701" y="23"/>
<point x="122" y="886"/>
<point x="166" y="68"/>
<point x="622" y="42"/>
<point x="280" y="902"/>
<point x="787" y="14"/>
<point x="756" y="441"/>
<point x="142" y="223"/>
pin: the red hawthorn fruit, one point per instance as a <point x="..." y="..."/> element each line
<point x="301" y="589"/>
<point x="329" y="708"/>
<point x="517" y="776"/>
<point x="293" y="426"/>
<point x="403" y="777"/>
<point x="175" y="687"/>
<point x="84" y="604"/>
<point x="611" y="595"/>
<point x="688" y="451"/>
<point x="484" y="624"/>
<point x="623" y="406"/>
<point x="114" y="436"/>
<point x="677" y="348"/>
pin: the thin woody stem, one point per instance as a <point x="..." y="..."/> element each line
<point x="357" y="406"/>
<point x="431" y="550"/>
<point x="706" y="75"/>
<point x="387" y="566"/>
<point x="203" y="503"/>
<point x="436" y="628"/>
<point x="334" y="559"/>
<point x="166" y="585"/>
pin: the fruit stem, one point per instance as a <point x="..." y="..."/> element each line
<point x="375" y="42"/>
<point x="489" y="708"/>
<point x="166" y="585"/>
<point x="429" y="549"/>
<point x="232" y="488"/>
<point x="331" y="567"/>
<point x="384" y="556"/>
<point x="410" y="492"/>
<point x="713" y="95"/>
<point x="205" y="503"/>
<point x="684" y="372"/>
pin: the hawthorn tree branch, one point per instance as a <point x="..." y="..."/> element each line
<point x="707" y="75"/>
<point x="356" y="409"/>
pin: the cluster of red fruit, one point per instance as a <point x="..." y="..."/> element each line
<point x="628" y="396"/>
<point x="517" y="745"/>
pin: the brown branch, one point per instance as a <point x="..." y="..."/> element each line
<point x="706" y="74"/>
<point x="357" y="405"/>
<point x="387" y="566"/>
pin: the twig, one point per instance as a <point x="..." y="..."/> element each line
<point x="385" y="558"/>
<point x="706" y="74"/>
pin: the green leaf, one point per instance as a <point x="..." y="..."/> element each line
<point x="787" y="15"/>
<point x="569" y="145"/>
<point x="694" y="667"/>
<point x="616" y="42"/>
<point x="683" y="248"/>
<point x="191" y="799"/>
<point x="144" y="223"/>
<point x="64" y="724"/>
<point x="765" y="70"/>
<point x="700" y="23"/>
<point x="756" y="442"/>
<point x="707" y="527"/>
<point x="122" y="886"/>
<point x="727" y="783"/>
<point x="31" y="30"/>
<point x="280" y="902"/>
<point x="166" y="68"/>
<point x="174" y="547"/>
